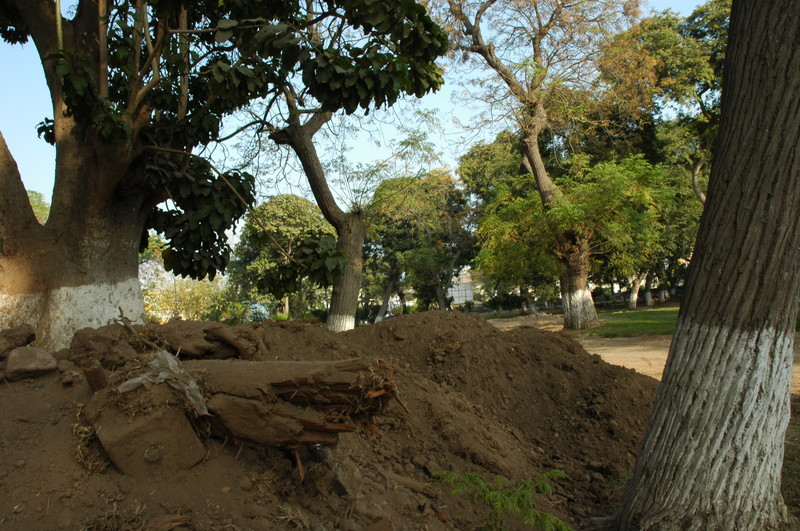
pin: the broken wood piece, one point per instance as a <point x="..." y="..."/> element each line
<point x="285" y="403"/>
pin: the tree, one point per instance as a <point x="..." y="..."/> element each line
<point x="398" y="58"/>
<point x="542" y="54"/>
<point x="137" y="88"/>
<point x="422" y="229"/>
<point x="285" y="245"/>
<point x="681" y="60"/>
<point x="615" y="206"/>
<point x="40" y="207"/>
<point x="713" y="452"/>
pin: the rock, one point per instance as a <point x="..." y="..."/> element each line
<point x="29" y="361"/>
<point x="158" y="442"/>
<point x="19" y="336"/>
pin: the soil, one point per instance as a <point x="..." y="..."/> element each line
<point x="471" y="397"/>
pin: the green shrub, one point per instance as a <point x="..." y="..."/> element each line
<point x="502" y="498"/>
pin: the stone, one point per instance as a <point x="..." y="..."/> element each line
<point x="157" y="443"/>
<point x="29" y="361"/>
<point x="19" y="336"/>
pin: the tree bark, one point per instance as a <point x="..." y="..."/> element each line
<point x="713" y="453"/>
<point x="648" y="290"/>
<point x="350" y="227"/>
<point x="344" y="298"/>
<point x="387" y="294"/>
<point x="579" y="310"/>
<point x="79" y="269"/>
<point x="633" y="295"/>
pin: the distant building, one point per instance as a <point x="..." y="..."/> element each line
<point x="461" y="290"/>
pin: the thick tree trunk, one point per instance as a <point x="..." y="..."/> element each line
<point x="78" y="270"/>
<point x="633" y="294"/>
<point x="344" y="299"/>
<point x="648" y="291"/>
<point x="713" y="453"/>
<point x="579" y="311"/>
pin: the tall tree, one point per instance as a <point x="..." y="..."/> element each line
<point x="285" y="245"/>
<point x="422" y="229"/>
<point x="542" y="53"/>
<point x="359" y="69"/>
<point x="138" y="86"/>
<point x="667" y="61"/>
<point x="713" y="452"/>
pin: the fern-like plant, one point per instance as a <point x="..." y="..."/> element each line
<point x="502" y="498"/>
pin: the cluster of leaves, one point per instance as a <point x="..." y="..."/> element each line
<point x="421" y="231"/>
<point x="201" y="208"/>
<point x="502" y="498"/>
<point x="167" y="82"/>
<point x="285" y="245"/>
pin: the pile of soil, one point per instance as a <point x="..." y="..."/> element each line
<point x="469" y="398"/>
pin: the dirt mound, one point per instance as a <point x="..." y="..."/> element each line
<point x="469" y="398"/>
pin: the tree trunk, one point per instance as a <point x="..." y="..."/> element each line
<point x="633" y="294"/>
<point x="648" y="291"/>
<point x="713" y="453"/>
<point x="387" y="294"/>
<point x="344" y="299"/>
<point x="80" y="269"/>
<point x="350" y="227"/>
<point x="579" y="311"/>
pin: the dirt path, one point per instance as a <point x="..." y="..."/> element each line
<point x="645" y="354"/>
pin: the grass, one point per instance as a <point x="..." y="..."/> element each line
<point x="649" y="322"/>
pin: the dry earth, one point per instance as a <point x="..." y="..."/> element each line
<point x="645" y="354"/>
<point x="470" y="398"/>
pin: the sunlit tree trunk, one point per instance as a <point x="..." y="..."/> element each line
<point x="713" y="453"/>
<point x="633" y="294"/>
<point x="344" y="300"/>
<point x="350" y="227"/>
<point x="79" y="269"/>
<point x="579" y="310"/>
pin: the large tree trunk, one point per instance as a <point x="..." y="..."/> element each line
<point x="713" y="453"/>
<point x="344" y="299"/>
<point x="79" y="269"/>
<point x="579" y="311"/>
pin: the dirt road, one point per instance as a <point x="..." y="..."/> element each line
<point x="644" y="354"/>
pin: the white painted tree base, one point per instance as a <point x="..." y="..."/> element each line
<point x="341" y="323"/>
<point x="579" y="311"/>
<point x="57" y="315"/>
<point x="732" y="442"/>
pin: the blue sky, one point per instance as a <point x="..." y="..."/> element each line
<point x="24" y="102"/>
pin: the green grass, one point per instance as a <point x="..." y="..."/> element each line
<point x="650" y="322"/>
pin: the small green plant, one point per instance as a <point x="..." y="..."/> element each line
<point x="502" y="498"/>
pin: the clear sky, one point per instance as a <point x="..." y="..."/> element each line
<point x="24" y="102"/>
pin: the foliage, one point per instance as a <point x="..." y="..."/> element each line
<point x="681" y="60"/>
<point x="158" y="92"/>
<point x="166" y="295"/>
<point x="285" y="244"/>
<point x="502" y="499"/>
<point x="40" y="207"/>
<point x="421" y="231"/>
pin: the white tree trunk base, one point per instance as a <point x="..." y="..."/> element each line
<point x="743" y="429"/>
<point x="341" y="323"/>
<point x="579" y="311"/>
<point x="58" y="314"/>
